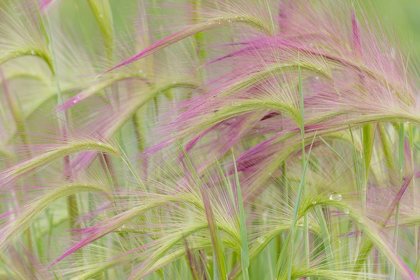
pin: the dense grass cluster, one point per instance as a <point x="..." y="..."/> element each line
<point x="206" y="139"/>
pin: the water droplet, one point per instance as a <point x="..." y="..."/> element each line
<point x="265" y="216"/>
<point x="229" y="21"/>
<point x="140" y="71"/>
<point x="300" y="224"/>
<point x="75" y="101"/>
<point x="99" y="143"/>
<point x="319" y="68"/>
<point x="317" y="78"/>
<point x="313" y="202"/>
<point x="407" y="122"/>
<point x="261" y="239"/>
<point x="336" y="197"/>
<point x="347" y="211"/>
<point x="393" y="53"/>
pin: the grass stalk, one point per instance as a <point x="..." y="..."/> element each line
<point x="242" y="225"/>
<point x="286" y="257"/>
<point x="401" y="174"/>
<point x="302" y="131"/>
<point x="18" y="118"/>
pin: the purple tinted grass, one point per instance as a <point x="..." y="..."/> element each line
<point x="99" y="230"/>
<point x="167" y="41"/>
<point x="357" y="46"/>
<point x="195" y="265"/>
<point x="398" y="197"/>
<point x="44" y="4"/>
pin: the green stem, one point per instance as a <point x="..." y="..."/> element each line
<point x="137" y="132"/>
<point x="198" y="37"/>
<point x="104" y="20"/>
<point x="386" y="146"/>
<point x="18" y="117"/>
<point x="401" y="170"/>
<point x="416" y="228"/>
<point x="73" y="209"/>
<point x="368" y="139"/>
<point x="302" y="117"/>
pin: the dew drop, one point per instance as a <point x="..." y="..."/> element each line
<point x="140" y="71"/>
<point x="393" y="53"/>
<point x="99" y="143"/>
<point x="265" y="216"/>
<point x="313" y="202"/>
<point x="347" y="211"/>
<point x="32" y="52"/>
<point x="319" y="68"/>
<point x="407" y="122"/>
<point x="317" y="78"/>
<point x="229" y="20"/>
<point x="300" y="224"/>
<point x="336" y="197"/>
<point x="261" y="239"/>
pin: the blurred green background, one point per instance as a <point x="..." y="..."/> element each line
<point x="403" y="15"/>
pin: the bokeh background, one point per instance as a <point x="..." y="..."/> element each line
<point x="403" y="15"/>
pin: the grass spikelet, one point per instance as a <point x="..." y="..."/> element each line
<point x="21" y="36"/>
<point x="216" y="21"/>
<point x="32" y="210"/>
<point x="43" y="159"/>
